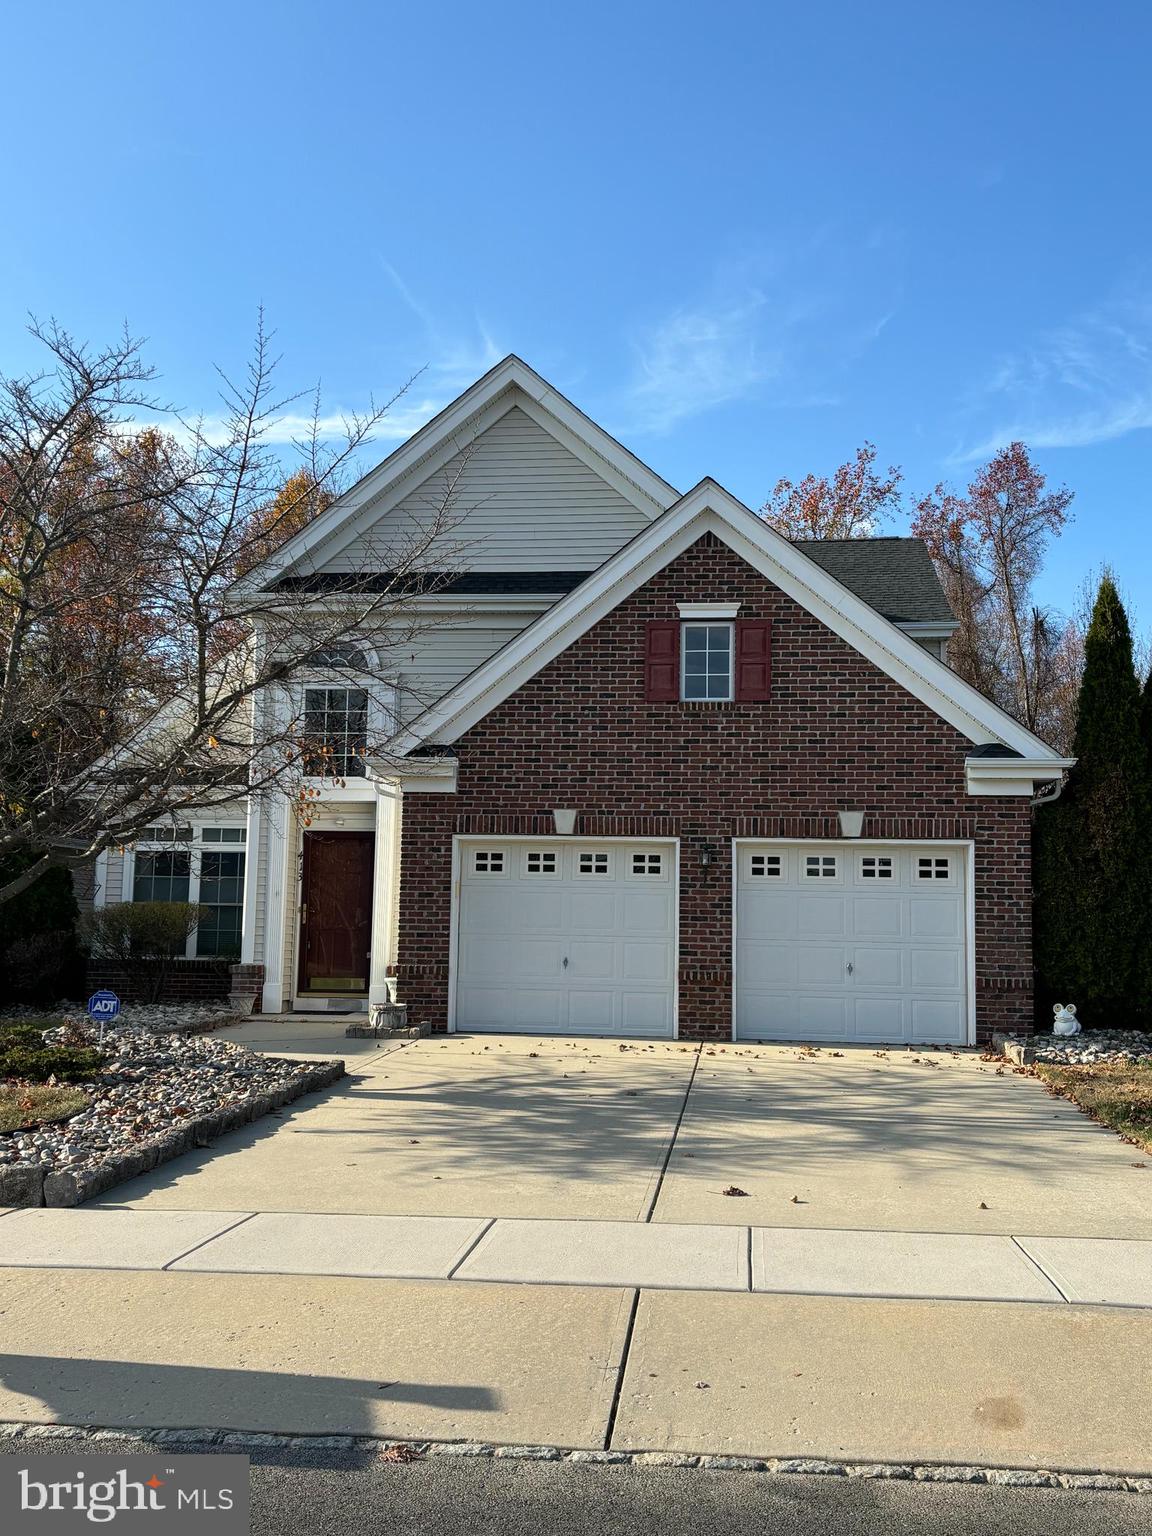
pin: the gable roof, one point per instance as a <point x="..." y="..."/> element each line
<point x="710" y="508"/>
<point x="893" y="575"/>
<point x="511" y="383"/>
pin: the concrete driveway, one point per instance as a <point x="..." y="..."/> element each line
<point x="517" y="1240"/>
<point x="859" y="1139"/>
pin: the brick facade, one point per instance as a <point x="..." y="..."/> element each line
<point x="188" y="981"/>
<point x="836" y="733"/>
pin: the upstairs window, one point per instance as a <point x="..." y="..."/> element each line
<point x="706" y="661"/>
<point x="335" y="732"/>
<point x="708" y="658"/>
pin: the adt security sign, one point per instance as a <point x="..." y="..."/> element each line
<point x="103" y="1007"/>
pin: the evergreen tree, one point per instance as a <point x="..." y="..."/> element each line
<point x="1093" y="848"/>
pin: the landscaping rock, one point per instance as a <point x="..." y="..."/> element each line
<point x="1085" y="1049"/>
<point x="22" y="1185"/>
<point x="157" y="1097"/>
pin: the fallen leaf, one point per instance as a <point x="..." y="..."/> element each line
<point x="401" y="1453"/>
<point x="732" y="1190"/>
<point x="983" y="1207"/>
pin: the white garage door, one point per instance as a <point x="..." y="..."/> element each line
<point x="568" y="938"/>
<point x="850" y="941"/>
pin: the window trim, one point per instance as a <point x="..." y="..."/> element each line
<point x="729" y="625"/>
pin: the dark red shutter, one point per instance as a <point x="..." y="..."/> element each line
<point x="662" y="663"/>
<point x="753" y="661"/>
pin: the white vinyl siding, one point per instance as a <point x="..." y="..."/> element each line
<point x="445" y="653"/>
<point x="523" y="502"/>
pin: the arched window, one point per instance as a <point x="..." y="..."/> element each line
<point x="340" y="653"/>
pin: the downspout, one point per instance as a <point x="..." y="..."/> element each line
<point x="1050" y="793"/>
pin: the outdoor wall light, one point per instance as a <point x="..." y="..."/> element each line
<point x="564" y="822"/>
<point x="851" y="823"/>
<point x="707" y="855"/>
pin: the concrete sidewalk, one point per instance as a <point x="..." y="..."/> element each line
<point x="656" y="1255"/>
<point x="999" y="1384"/>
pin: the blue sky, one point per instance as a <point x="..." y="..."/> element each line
<point x="743" y="237"/>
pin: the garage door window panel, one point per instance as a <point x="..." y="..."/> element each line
<point x="594" y="866"/>
<point x="821" y="866"/>
<point x="489" y="862"/>
<point x="542" y="863"/>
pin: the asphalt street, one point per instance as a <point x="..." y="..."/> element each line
<point x="315" y="1492"/>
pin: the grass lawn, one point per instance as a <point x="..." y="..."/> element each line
<point x="24" y="1104"/>
<point x="1117" y="1093"/>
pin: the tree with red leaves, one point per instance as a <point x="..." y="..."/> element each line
<point x="851" y="504"/>
<point x="988" y="547"/>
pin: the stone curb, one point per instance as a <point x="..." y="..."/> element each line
<point x="37" y="1186"/>
<point x="238" y="1441"/>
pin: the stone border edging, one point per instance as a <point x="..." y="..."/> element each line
<point x="927" y="1472"/>
<point x="24" y="1187"/>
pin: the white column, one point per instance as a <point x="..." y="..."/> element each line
<point x="252" y="851"/>
<point x="279" y="875"/>
<point x="385" y="890"/>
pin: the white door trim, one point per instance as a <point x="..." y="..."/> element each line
<point x="462" y="840"/>
<point x="965" y="845"/>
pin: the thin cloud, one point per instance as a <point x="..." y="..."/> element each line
<point x="694" y="360"/>
<point x="1080" y="384"/>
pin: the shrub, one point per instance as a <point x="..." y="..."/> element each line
<point x="25" y="1033"/>
<point x="142" y="936"/>
<point x="40" y="957"/>
<point x="32" y="1064"/>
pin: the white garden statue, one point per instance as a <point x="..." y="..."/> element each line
<point x="1065" y="1022"/>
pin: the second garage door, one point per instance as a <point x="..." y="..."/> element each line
<point x="569" y="938"/>
<point x="850" y="941"/>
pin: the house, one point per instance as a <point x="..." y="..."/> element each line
<point x="653" y="770"/>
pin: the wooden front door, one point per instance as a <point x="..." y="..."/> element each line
<point x="336" y="912"/>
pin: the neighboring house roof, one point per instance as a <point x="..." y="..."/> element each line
<point x="894" y="576"/>
<point x="710" y="508"/>
<point x="510" y="383"/>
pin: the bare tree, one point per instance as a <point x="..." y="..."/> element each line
<point x="152" y="664"/>
<point x="988" y="547"/>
